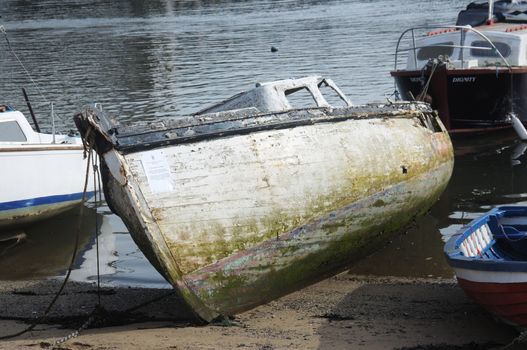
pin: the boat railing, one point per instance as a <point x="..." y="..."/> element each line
<point x="462" y="30"/>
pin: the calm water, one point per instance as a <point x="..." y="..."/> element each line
<point x="148" y="59"/>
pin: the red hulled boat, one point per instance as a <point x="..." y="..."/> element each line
<point x="489" y="257"/>
<point x="473" y="73"/>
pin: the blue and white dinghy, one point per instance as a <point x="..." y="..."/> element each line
<point x="489" y="257"/>
<point x="41" y="174"/>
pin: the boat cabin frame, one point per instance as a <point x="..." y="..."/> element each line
<point x="278" y="96"/>
<point x="463" y="60"/>
<point x="16" y="130"/>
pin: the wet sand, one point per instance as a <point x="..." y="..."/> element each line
<point x="343" y="312"/>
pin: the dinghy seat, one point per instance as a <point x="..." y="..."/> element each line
<point x="478" y="243"/>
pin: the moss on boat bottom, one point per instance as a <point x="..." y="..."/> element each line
<point x="316" y="250"/>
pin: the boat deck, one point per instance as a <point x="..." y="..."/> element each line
<point x="144" y="136"/>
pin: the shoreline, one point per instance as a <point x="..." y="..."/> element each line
<point x="345" y="311"/>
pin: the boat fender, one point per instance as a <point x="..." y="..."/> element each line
<point x="482" y="239"/>
<point x="518" y="127"/>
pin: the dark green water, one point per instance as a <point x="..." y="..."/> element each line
<point x="148" y="59"/>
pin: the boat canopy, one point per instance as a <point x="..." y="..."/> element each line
<point x="496" y="45"/>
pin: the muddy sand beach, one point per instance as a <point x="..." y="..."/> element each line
<point x="343" y="312"/>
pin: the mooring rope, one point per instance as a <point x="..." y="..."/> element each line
<point x="97" y="198"/>
<point x="424" y="91"/>
<point x="518" y="340"/>
<point x="521" y="235"/>
<point x="88" y="149"/>
<point x="72" y="261"/>
<point x="98" y="312"/>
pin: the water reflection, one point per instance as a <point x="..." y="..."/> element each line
<point x="148" y="59"/>
<point x="485" y="174"/>
<point x="488" y="171"/>
<point x="11" y="239"/>
<point x="44" y="249"/>
<point x="121" y="263"/>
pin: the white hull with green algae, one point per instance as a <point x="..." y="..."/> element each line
<point x="237" y="209"/>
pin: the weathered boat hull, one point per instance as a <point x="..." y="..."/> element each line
<point x="235" y="217"/>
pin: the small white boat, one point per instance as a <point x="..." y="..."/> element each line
<point x="42" y="174"/>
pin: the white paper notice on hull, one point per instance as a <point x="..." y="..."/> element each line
<point x="157" y="171"/>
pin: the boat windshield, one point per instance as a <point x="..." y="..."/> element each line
<point x="459" y="46"/>
<point x="484" y="49"/>
<point x="300" y="98"/>
<point x="10" y="131"/>
<point x="436" y="50"/>
<point x="331" y="95"/>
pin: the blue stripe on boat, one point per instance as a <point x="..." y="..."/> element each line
<point x="489" y="264"/>
<point x="33" y="202"/>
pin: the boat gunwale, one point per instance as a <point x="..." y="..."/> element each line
<point x="234" y="115"/>
<point x="36" y="147"/>
<point x="158" y="134"/>
<point x="456" y="259"/>
<point x="476" y="263"/>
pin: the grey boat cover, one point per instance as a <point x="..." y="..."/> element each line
<point x="504" y="11"/>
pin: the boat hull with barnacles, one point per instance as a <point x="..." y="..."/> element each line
<point x="474" y="73"/>
<point x="489" y="257"/>
<point x="255" y="199"/>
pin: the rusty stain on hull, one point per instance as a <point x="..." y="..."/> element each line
<point x="240" y="218"/>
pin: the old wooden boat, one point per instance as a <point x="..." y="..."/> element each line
<point x="473" y="72"/>
<point x="489" y="257"/>
<point x="42" y="174"/>
<point x="251" y="198"/>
